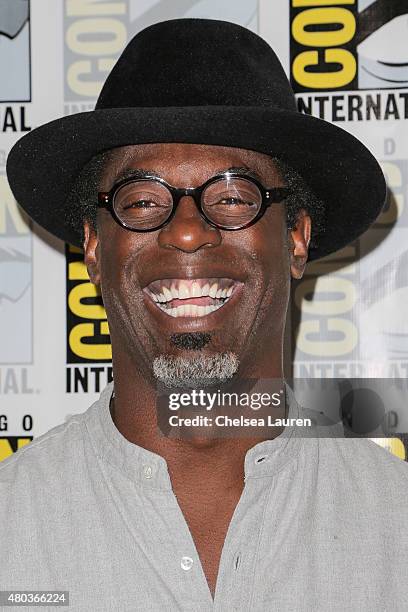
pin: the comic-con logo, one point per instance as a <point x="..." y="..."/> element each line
<point x="89" y="350"/>
<point x="95" y="34"/>
<point x="87" y="327"/>
<point x="324" y="316"/>
<point x="346" y="44"/>
<point x="15" y="72"/>
<point x="11" y="445"/>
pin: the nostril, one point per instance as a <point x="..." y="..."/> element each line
<point x="189" y="231"/>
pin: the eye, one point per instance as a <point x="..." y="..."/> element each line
<point x="140" y="204"/>
<point x="231" y="201"/>
<point x="141" y="196"/>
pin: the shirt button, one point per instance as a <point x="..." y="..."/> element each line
<point x="186" y="563"/>
<point x="147" y="471"/>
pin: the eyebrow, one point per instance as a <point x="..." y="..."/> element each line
<point x="138" y="173"/>
<point x="133" y="173"/>
<point x="241" y="170"/>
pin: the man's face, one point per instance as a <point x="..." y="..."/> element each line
<point x="189" y="262"/>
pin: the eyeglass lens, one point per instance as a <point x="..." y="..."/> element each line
<point x="228" y="202"/>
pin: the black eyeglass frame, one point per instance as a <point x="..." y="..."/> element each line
<point x="269" y="196"/>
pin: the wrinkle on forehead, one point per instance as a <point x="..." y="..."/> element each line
<point x="176" y="155"/>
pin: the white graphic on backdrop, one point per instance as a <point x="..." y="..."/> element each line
<point x="15" y="300"/>
<point x="146" y="12"/>
<point x="383" y="60"/>
<point x="14" y="51"/>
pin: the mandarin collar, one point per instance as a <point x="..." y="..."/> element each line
<point x="150" y="469"/>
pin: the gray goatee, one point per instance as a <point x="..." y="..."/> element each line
<point x="198" y="371"/>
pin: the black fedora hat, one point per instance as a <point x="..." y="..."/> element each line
<point x="200" y="81"/>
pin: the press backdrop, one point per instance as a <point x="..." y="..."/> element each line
<point x="348" y="63"/>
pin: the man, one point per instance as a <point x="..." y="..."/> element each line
<point x="212" y="192"/>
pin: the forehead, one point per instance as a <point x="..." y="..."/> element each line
<point x="175" y="160"/>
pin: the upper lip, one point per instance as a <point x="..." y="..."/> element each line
<point x="190" y="276"/>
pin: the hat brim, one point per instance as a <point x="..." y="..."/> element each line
<point x="43" y="165"/>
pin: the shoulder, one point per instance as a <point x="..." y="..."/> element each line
<point x="360" y="455"/>
<point x="47" y="453"/>
<point x="370" y="454"/>
<point x="39" y="480"/>
<point x="57" y="452"/>
<point x="363" y="465"/>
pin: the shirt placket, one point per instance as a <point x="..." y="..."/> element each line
<point x="167" y="540"/>
<point x="237" y="568"/>
<point x="178" y="560"/>
<point x="172" y="545"/>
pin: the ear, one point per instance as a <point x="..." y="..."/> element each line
<point x="91" y="253"/>
<point x="298" y="242"/>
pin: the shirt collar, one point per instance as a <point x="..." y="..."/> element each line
<point x="150" y="469"/>
<point x="268" y="457"/>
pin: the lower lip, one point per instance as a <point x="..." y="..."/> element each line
<point x="191" y="321"/>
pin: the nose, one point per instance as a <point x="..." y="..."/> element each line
<point x="188" y="231"/>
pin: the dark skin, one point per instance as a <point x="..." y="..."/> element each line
<point x="206" y="474"/>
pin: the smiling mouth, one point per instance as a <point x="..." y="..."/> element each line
<point x="198" y="297"/>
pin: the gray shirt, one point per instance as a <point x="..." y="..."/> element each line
<point x="322" y="525"/>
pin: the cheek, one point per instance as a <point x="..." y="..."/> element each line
<point x="267" y="244"/>
<point x="119" y="258"/>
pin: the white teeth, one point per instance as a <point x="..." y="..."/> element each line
<point x="195" y="290"/>
<point x="167" y="294"/>
<point x="183" y="291"/>
<point x="190" y="310"/>
<point x="213" y="290"/>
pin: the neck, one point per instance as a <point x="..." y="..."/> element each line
<point x="134" y="413"/>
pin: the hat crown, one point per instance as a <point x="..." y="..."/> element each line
<point x="197" y="62"/>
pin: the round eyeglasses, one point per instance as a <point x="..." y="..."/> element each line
<point x="227" y="201"/>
